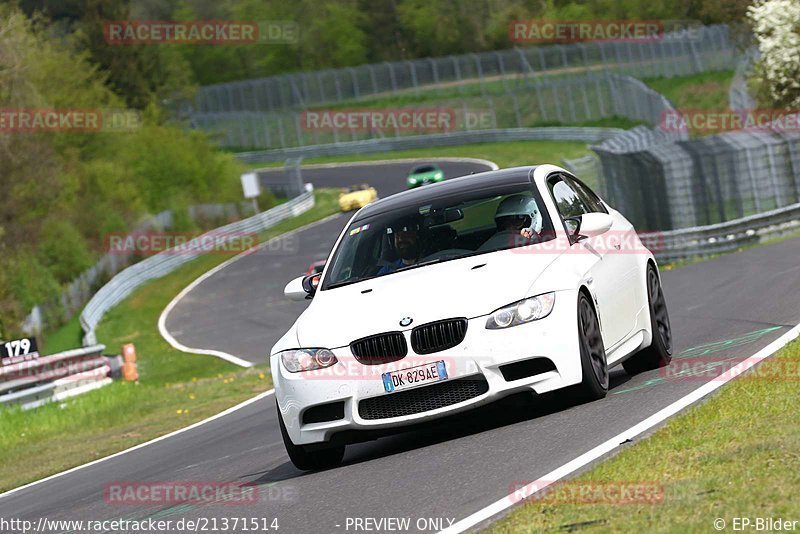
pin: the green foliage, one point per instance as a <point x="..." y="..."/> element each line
<point x="66" y="191"/>
<point x="332" y="33"/>
<point x="63" y="250"/>
<point x="30" y="281"/>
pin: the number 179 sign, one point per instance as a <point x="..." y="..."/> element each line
<point x="19" y="350"/>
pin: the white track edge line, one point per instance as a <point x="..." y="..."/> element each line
<point x="145" y="444"/>
<point x="604" y="448"/>
<point x="173" y="342"/>
<point x="162" y="319"/>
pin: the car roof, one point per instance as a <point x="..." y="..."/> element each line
<point x="470" y="182"/>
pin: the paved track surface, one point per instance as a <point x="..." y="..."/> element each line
<point x="246" y="301"/>
<point x="726" y="308"/>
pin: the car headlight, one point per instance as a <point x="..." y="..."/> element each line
<point x="412" y="181"/>
<point x="296" y="360"/>
<point x="521" y="312"/>
<point x="438" y="175"/>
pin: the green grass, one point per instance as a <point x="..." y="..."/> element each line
<point x="533" y="106"/>
<point x="706" y="91"/>
<point x="68" y="336"/>
<point x="734" y="455"/>
<point x="510" y="154"/>
<point x="507" y="154"/>
<point x="174" y="389"/>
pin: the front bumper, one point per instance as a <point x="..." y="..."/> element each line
<point x="480" y="354"/>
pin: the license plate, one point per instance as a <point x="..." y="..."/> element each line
<point x="414" y="376"/>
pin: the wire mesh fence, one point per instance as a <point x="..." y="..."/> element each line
<point x="163" y="263"/>
<point x="664" y="184"/>
<point x="566" y="99"/>
<point x="708" y="48"/>
<point x="56" y="311"/>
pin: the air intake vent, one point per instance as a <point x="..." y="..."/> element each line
<point x="440" y="335"/>
<point x="380" y="349"/>
<point x="526" y="368"/>
<point x="322" y="413"/>
<point x="423" y="399"/>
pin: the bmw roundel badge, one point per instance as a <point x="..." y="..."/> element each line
<point x="405" y="321"/>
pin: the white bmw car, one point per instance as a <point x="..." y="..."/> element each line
<point x="440" y="299"/>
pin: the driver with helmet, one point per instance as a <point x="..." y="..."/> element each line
<point x="518" y="223"/>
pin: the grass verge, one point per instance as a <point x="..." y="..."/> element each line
<point x="510" y="154"/>
<point x="707" y="90"/>
<point x="735" y="455"/>
<point x="68" y="336"/>
<point x="175" y="389"/>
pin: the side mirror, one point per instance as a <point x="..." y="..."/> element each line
<point x="302" y="287"/>
<point x="594" y="224"/>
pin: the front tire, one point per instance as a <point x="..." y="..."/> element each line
<point x="310" y="460"/>
<point x="659" y="353"/>
<point x="594" y="368"/>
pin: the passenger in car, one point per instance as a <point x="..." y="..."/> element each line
<point x="518" y="223"/>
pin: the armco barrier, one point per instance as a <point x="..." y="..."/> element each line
<point x="164" y="263"/>
<point x="575" y="98"/>
<point x="587" y="134"/>
<point x="688" y="243"/>
<point x="55" y="377"/>
<point x="676" y="54"/>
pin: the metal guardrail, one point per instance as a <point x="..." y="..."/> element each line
<point x="33" y="383"/>
<point x="126" y="281"/>
<point x="677" y="53"/>
<point x="574" y="98"/>
<point x="588" y="134"/>
<point x="700" y="241"/>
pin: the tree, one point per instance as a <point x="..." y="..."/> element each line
<point x="776" y="26"/>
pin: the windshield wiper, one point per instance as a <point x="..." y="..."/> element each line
<point x="347" y="282"/>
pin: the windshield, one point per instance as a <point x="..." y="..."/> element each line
<point x="424" y="168"/>
<point x="460" y="225"/>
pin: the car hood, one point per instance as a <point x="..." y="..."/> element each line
<point x="424" y="175"/>
<point x="468" y="287"/>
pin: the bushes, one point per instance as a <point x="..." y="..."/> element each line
<point x="65" y="191"/>
<point x="776" y="25"/>
<point x="63" y="251"/>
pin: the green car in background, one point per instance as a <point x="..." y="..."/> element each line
<point x="424" y="174"/>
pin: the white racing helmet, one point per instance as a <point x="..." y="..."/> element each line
<point x="522" y="209"/>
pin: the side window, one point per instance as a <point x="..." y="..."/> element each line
<point x="589" y="198"/>
<point x="567" y="200"/>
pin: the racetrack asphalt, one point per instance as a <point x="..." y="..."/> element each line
<point x="246" y="299"/>
<point x="725" y="308"/>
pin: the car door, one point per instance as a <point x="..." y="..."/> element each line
<point x="623" y="257"/>
<point x="606" y="273"/>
